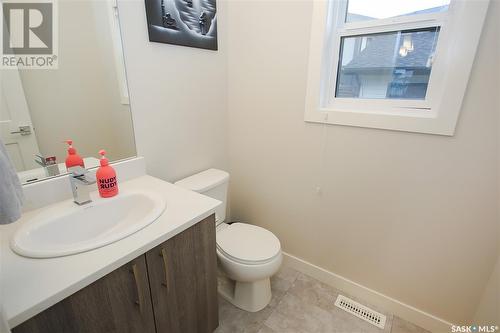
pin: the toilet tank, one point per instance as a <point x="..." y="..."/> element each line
<point x="213" y="183"/>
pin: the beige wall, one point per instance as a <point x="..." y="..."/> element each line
<point x="409" y="215"/>
<point x="80" y="100"/>
<point x="178" y="96"/>
<point x="488" y="311"/>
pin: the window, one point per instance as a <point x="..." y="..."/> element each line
<point x="386" y="65"/>
<point x="392" y="64"/>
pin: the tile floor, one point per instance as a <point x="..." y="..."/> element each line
<point x="301" y="304"/>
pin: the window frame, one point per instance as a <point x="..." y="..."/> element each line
<point x="460" y="30"/>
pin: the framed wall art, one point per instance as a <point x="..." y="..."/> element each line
<point x="183" y="22"/>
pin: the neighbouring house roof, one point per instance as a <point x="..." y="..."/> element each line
<point x="438" y="9"/>
<point x="352" y="17"/>
<point x="382" y="52"/>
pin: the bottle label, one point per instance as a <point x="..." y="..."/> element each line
<point x="108" y="184"/>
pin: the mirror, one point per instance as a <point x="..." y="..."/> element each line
<point x="85" y="99"/>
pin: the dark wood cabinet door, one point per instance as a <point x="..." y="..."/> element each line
<point x="183" y="281"/>
<point x="120" y="302"/>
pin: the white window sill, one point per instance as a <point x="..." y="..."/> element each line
<point x="405" y="120"/>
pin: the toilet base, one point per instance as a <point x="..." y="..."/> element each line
<point x="248" y="296"/>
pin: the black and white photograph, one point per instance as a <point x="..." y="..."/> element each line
<point x="190" y="23"/>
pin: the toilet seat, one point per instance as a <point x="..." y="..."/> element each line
<point x="248" y="244"/>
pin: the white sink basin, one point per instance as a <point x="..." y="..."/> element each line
<point x="66" y="228"/>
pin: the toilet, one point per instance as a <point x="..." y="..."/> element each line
<point x="247" y="255"/>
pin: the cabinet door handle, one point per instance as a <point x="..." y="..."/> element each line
<point x="135" y="272"/>
<point x="163" y="254"/>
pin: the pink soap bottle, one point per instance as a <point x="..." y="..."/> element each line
<point x="73" y="159"/>
<point x="106" y="178"/>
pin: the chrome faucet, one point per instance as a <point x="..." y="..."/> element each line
<point x="49" y="164"/>
<point x="80" y="180"/>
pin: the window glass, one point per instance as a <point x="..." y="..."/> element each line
<point x="393" y="65"/>
<point x="362" y="10"/>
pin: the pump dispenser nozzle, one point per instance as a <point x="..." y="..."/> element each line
<point x="104" y="160"/>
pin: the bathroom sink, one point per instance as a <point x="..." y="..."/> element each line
<point x="66" y="228"/>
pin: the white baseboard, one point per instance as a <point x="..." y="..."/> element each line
<point x="405" y="311"/>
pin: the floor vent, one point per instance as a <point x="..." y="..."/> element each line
<point x="361" y="311"/>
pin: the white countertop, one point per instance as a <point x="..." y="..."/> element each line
<point x="29" y="286"/>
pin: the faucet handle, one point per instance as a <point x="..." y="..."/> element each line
<point x="45" y="160"/>
<point x="77" y="171"/>
<point x="81" y="175"/>
<point x="79" y="179"/>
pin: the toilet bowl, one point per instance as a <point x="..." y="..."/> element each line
<point x="247" y="255"/>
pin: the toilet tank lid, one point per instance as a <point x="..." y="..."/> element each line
<point x="204" y="181"/>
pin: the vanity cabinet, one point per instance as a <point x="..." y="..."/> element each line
<point x="118" y="302"/>
<point x="183" y="280"/>
<point x="172" y="288"/>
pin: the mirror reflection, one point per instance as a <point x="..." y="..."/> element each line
<point x="85" y="100"/>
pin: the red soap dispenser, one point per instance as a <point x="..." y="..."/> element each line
<point x="73" y="159"/>
<point x="106" y="178"/>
